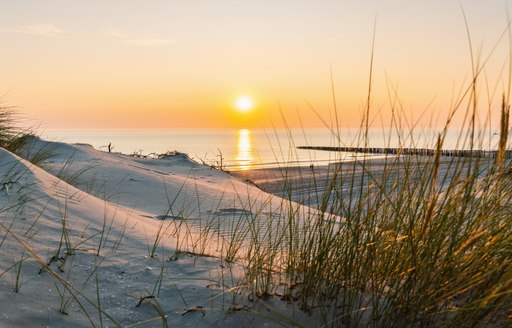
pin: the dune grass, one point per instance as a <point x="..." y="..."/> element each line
<point x="422" y="241"/>
<point x="11" y="136"/>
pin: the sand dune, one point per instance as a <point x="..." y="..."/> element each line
<point x="103" y="230"/>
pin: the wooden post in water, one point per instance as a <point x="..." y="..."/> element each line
<point x="412" y="151"/>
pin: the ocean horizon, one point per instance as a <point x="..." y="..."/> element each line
<point x="242" y="149"/>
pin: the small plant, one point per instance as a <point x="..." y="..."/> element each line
<point x="105" y="230"/>
<point x="65" y="300"/>
<point x="12" y="137"/>
<point x="17" y="273"/>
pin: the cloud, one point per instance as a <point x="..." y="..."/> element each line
<point x="147" y="41"/>
<point x="48" y="30"/>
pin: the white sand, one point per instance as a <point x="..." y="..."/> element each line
<point x="115" y="203"/>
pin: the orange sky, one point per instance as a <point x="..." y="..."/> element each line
<point x="162" y="64"/>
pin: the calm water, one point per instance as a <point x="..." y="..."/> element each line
<point x="244" y="149"/>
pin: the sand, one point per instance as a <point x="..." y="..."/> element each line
<point x="308" y="185"/>
<point x="86" y="227"/>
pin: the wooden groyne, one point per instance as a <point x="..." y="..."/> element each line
<point x="412" y="151"/>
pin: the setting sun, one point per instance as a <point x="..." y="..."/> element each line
<point x="244" y="104"/>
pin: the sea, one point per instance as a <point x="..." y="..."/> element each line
<point x="243" y="149"/>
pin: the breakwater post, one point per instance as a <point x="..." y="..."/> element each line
<point x="412" y="151"/>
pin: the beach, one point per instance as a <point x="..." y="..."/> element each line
<point x="309" y="185"/>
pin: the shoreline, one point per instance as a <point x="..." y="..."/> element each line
<point x="309" y="185"/>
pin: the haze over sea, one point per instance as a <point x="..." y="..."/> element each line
<point x="246" y="149"/>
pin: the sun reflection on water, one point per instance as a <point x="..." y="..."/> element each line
<point x="244" y="154"/>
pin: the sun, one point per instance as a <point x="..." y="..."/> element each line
<point x="244" y="104"/>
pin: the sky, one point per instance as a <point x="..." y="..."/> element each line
<point x="183" y="64"/>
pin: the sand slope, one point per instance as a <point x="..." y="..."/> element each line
<point x="111" y="225"/>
